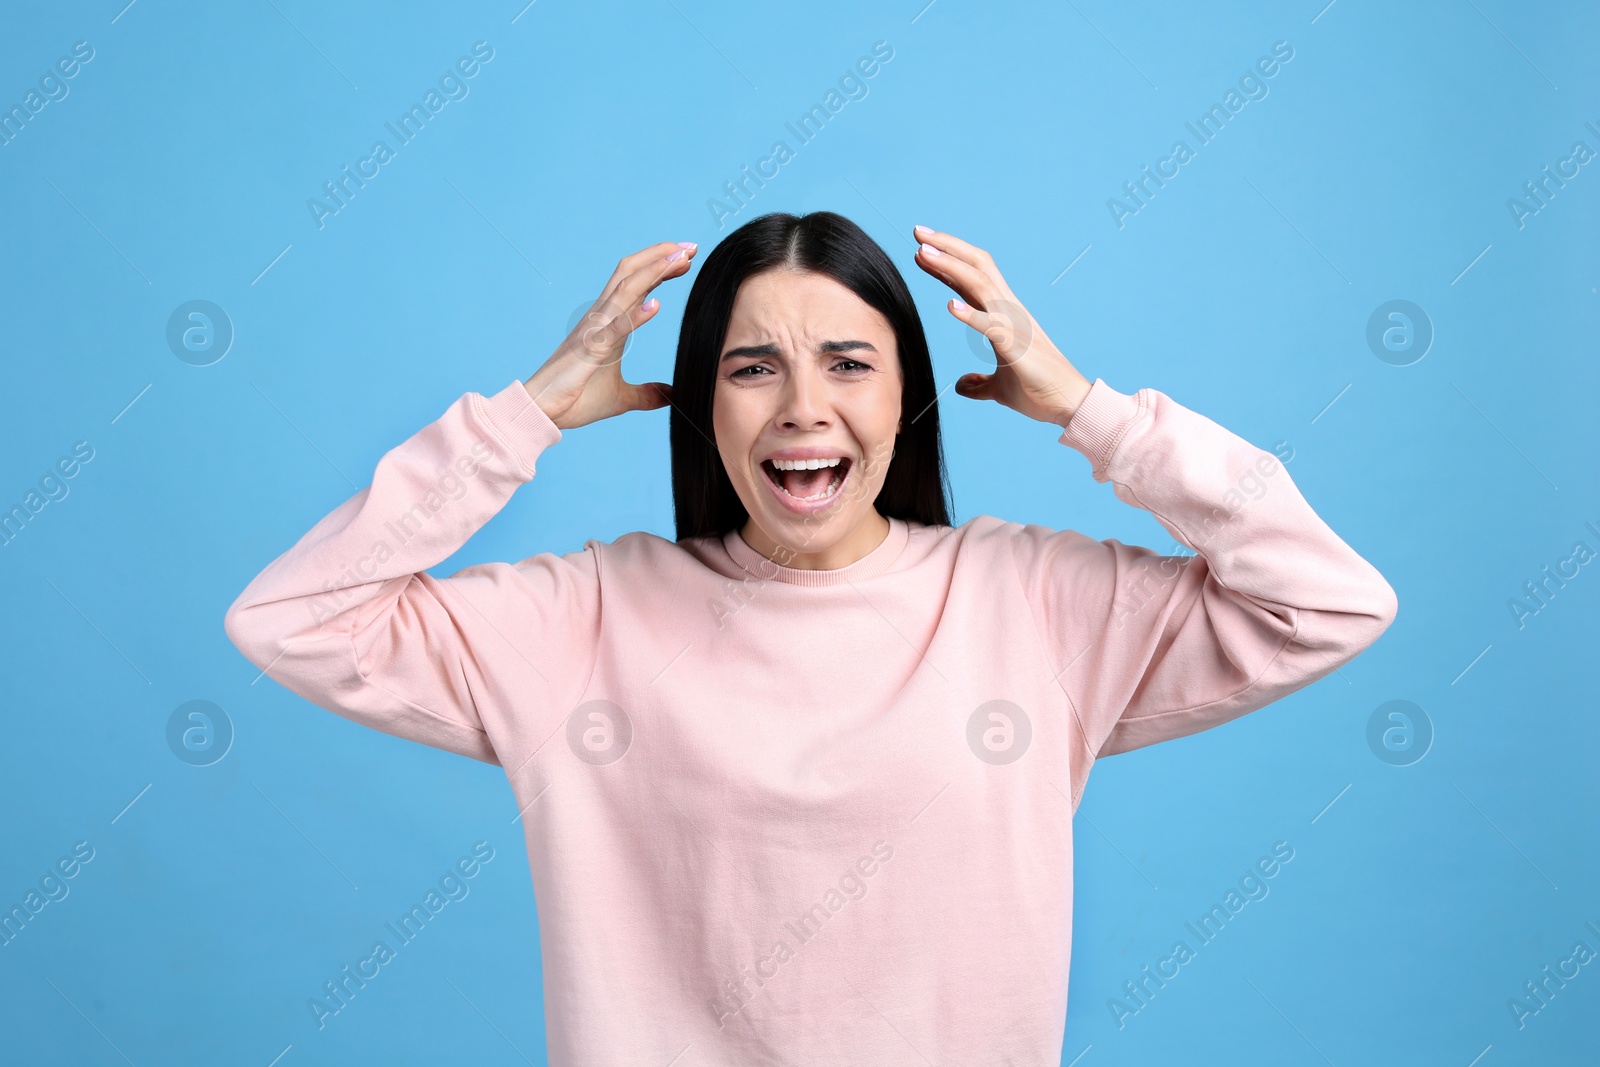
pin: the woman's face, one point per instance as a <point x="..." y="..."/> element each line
<point x="808" y="371"/>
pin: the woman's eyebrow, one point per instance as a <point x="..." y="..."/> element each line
<point x="826" y="348"/>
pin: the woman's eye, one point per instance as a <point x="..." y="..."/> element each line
<point x="852" y="366"/>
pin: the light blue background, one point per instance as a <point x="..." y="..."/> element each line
<point x="1378" y="168"/>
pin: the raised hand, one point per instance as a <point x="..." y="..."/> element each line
<point x="582" y="381"/>
<point x="1031" y="375"/>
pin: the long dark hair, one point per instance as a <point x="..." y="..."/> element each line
<point x="704" y="502"/>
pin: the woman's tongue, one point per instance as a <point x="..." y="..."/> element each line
<point x="807" y="483"/>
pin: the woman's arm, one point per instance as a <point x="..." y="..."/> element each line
<point x="1154" y="647"/>
<point x="349" y="618"/>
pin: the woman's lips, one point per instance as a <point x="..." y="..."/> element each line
<point x="807" y="507"/>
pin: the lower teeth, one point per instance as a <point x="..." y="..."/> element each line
<point x="833" y="487"/>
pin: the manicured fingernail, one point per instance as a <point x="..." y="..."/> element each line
<point x="961" y="305"/>
<point x="932" y="251"/>
<point x="650" y="305"/>
<point x="679" y="254"/>
<point x="923" y="229"/>
<point x="687" y="244"/>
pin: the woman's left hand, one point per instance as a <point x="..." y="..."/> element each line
<point x="1031" y="375"/>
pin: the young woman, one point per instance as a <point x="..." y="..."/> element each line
<point x="798" y="786"/>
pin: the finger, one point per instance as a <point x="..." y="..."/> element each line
<point x="601" y="341"/>
<point x="975" y="386"/>
<point x="649" y="274"/>
<point x="648" y="396"/>
<point x="974" y="285"/>
<point x="637" y="274"/>
<point x="951" y="245"/>
<point x="628" y="264"/>
<point x="997" y="326"/>
<point x="1006" y="325"/>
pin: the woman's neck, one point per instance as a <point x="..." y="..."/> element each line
<point x="811" y="554"/>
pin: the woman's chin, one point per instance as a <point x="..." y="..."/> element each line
<point x="797" y="533"/>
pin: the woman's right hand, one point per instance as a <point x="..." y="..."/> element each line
<point x="582" y="381"/>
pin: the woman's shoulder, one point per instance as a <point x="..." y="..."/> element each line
<point x="634" y="548"/>
<point x="992" y="529"/>
<point x="983" y="538"/>
<point x="645" y="553"/>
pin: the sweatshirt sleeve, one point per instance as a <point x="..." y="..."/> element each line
<point x="349" y="619"/>
<point x="1153" y="647"/>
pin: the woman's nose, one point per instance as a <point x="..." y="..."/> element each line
<point x="805" y="401"/>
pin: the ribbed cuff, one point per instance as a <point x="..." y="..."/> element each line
<point x="520" y="424"/>
<point x="1097" y="426"/>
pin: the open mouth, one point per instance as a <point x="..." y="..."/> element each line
<point x="809" y="485"/>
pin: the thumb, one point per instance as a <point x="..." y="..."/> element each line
<point x="649" y="395"/>
<point x="975" y="386"/>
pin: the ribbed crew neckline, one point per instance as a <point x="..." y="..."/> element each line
<point x="873" y="563"/>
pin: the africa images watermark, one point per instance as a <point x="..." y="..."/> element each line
<point x="340" y="990"/>
<point x="1537" y="593"/>
<point x="1254" y="87"/>
<point x="53" y="88"/>
<point x="449" y="485"/>
<point x="1536" y="996"/>
<point x="1542" y="190"/>
<point x="52" y="888"/>
<point x="853" y="88"/>
<point x="1252" y="887"/>
<point x="52" y="487"/>
<point x="453" y="86"/>
<point x="733" y="995"/>
<point x="1136" y="592"/>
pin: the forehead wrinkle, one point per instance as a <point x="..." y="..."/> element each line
<point x="785" y="338"/>
<point x="805" y="317"/>
<point x="822" y="350"/>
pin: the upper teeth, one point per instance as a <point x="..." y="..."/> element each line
<point x="805" y="464"/>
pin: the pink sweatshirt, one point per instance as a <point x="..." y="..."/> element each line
<point x="781" y="816"/>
